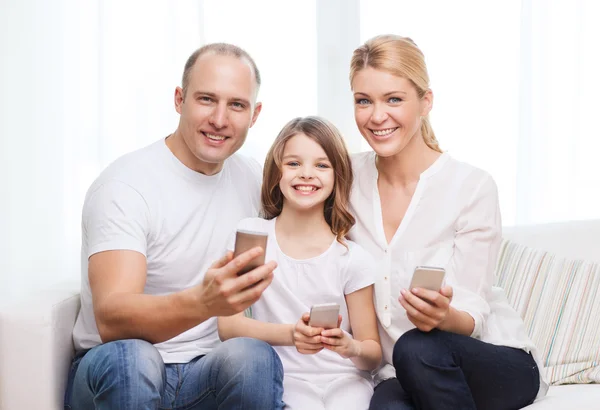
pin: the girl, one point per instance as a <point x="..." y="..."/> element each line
<point x="463" y="347"/>
<point x="305" y="193"/>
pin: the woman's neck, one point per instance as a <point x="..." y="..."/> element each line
<point x="406" y="167"/>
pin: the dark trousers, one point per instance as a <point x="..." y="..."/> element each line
<point x="440" y="370"/>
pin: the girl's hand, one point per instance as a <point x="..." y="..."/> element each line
<point x="307" y="339"/>
<point x="340" y="342"/>
<point x="426" y="309"/>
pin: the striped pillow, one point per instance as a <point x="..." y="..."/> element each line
<point x="559" y="301"/>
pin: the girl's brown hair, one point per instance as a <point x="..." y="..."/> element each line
<point x="401" y="57"/>
<point x="329" y="138"/>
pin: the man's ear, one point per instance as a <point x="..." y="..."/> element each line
<point x="426" y="103"/>
<point x="178" y="98"/>
<point x="257" y="109"/>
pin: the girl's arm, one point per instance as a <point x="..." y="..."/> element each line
<point x="241" y="326"/>
<point x="363" y="349"/>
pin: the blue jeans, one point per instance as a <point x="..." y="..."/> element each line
<point x="441" y="370"/>
<point x="130" y="374"/>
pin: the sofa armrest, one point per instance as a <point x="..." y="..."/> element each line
<point x="36" y="348"/>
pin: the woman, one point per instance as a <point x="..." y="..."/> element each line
<point x="462" y="347"/>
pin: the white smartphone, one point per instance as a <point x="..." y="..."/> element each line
<point x="324" y="315"/>
<point x="428" y="277"/>
<point x="246" y="240"/>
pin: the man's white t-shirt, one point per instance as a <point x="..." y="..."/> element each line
<point x="299" y="284"/>
<point x="149" y="202"/>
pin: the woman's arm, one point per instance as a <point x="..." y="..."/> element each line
<point x="363" y="349"/>
<point x="241" y="326"/>
<point x="476" y="247"/>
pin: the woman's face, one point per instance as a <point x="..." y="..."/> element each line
<point x="388" y="110"/>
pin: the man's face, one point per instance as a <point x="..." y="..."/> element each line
<point x="216" y="112"/>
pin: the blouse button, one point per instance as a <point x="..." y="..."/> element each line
<point x="385" y="278"/>
<point x="386" y="306"/>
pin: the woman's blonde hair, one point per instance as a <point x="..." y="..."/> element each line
<point x="401" y="57"/>
<point x="329" y="138"/>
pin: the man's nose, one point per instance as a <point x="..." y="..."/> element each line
<point x="219" y="116"/>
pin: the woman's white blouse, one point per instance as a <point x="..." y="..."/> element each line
<point x="453" y="221"/>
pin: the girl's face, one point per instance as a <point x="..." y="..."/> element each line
<point x="307" y="177"/>
<point x="388" y="110"/>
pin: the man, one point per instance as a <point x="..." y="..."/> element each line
<point x="153" y="222"/>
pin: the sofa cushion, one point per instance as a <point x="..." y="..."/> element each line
<point x="559" y="301"/>
<point x="574" y="396"/>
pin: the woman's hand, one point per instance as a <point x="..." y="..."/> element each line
<point x="307" y="339"/>
<point x="340" y="342"/>
<point x="425" y="308"/>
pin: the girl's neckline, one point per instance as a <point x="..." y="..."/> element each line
<point x="296" y="260"/>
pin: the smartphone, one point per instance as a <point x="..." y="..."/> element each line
<point x="246" y="240"/>
<point x="428" y="277"/>
<point x="324" y="315"/>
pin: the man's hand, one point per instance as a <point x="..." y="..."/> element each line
<point x="307" y="339"/>
<point x="224" y="293"/>
<point x="426" y="309"/>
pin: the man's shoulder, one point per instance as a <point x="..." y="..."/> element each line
<point x="132" y="170"/>
<point x="239" y="163"/>
<point x="133" y="165"/>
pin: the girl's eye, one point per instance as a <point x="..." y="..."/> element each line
<point x="293" y="164"/>
<point x="322" y="166"/>
<point x="362" y="101"/>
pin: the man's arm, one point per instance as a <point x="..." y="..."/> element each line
<point x="123" y="311"/>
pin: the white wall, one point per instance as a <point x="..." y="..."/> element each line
<point x="83" y="82"/>
<point x="80" y="84"/>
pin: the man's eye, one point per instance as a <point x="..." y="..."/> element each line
<point x="204" y="98"/>
<point x="238" y="105"/>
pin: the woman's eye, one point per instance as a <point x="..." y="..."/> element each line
<point x="395" y="100"/>
<point x="362" y="101"/>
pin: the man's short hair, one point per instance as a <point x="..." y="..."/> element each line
<point x="223" y="49"/>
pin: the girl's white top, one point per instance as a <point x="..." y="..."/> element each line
<point x="453" y="222"/>
<point x="299" y="284"/>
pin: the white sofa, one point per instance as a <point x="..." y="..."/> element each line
<point x="36" y="345"/>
